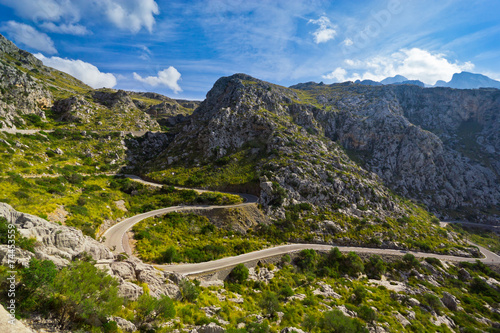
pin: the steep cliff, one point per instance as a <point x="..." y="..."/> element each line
<point x="438" y="146"/>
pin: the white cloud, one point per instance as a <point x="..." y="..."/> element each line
<point x="70" y="29"/>
<point x="29" y="36"/>
<point x="326" y="30"/>
<point x="338" y="75"/>
<point x="44" y="10"/>
<point x="347" y="42"/>
<point x="167" y="77"/>
<point x="132" y="15"/>
<point x="415" y="64"/>
<point x="83" y="71"/>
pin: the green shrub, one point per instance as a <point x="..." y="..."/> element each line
<point x="359" y="295"/>
<point x="239" y="274"/>
<point x="79" y="294"/>
<point x="269" y="303"/>
<point x="170" y="255"/>
<point x="189" y="290"/>
<point x="367" y="313"/>
<point x="306" y="260"/>
<point x="151" y="310"/>
<point x="410" y="260"/>
<point x="335" y="321"/>
<point x="433" y="302"/>
<point x="434" y="261"/>
<point x="353" y="264"/>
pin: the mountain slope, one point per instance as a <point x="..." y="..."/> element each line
<point x="34" y="95"/>
<point x="415" y="139"/>
<point x="418" y="141"/>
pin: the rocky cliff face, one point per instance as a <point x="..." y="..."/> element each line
<point x="439" y="146"/>
<point x="29" y="87"/>
<point x="279" y="136"/>
<point x="20" y="92"/>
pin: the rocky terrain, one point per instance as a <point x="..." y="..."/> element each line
<point x="32" y="94"/>
<point x="252" y="122"/>
<point x="353" y="164"/>
<point x="439" y="146"/>
<point x="20" y="92"/>
<point x="61" y="245"/>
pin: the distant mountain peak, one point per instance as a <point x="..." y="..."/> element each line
<point x="394" y="79"/>
<point x="467" y="80"/>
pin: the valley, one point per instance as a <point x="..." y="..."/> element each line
<point x="262" y="208"/>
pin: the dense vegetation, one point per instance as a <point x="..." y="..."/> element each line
<point x="359" y="300"/>
<point x="177" y="237"/>
<point x="82" y="296"/>
<point x="61" y="151"/>
<point x="89" y="201"/>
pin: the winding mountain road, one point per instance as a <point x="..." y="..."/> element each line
<point x="116" y="238"/>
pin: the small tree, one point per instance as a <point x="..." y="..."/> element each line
<point x="151" y="310"/>
<point x="85" y="292"/>
<point x="170" y="254"/>
<point x="433" y="302"/>
<point x="410" y="260"/>
<point x="270" y="303"/>
<point x="239" y="274"/>
<point x="353" y="264"/>
<point x="286" y="291"/>
<point x="375" y="267"/>
<point x="306" y="260"/>
<point x="38" y="275"/>
<point x="359" y="294"/>
<point x="189" y="290"/>
<point x="37" y="282"/>
<point x="367" y="314"/>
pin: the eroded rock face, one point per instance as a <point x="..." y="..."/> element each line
<point x="20" y="93"/>
<point x="266" y="124"/>
<point x="20" y="257"/>
<point x="440" y="146"/>
<point x="62" y="244"/>
<point x="58" y="243"/>
<point x="73" y="109"/>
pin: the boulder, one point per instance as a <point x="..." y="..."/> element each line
<point x="58" y="243"/>
<point x="124" y="324"/>
<point x="123" y="269"/>
<point x="326" y="290"/>
<point x="211" y="328"/>
<point x="450" y="301"/>
<point x="405" y="322"/>
<point x="291" y="330"/>
<point x="129" y="290"/>
<point x="20" y="257"/>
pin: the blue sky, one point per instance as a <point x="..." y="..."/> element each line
<point x="180" y="48"/>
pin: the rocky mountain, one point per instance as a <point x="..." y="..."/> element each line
<point x="368" y="83"/>
<point x="32" y="93"/>
<point x="438" y="146"/>
<point x="394" y="79"/>
<point x="466" y="80"/>
<point x="20" y="92"/>
<point x="269" y="132"/>
<point x="398" y="79"/>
